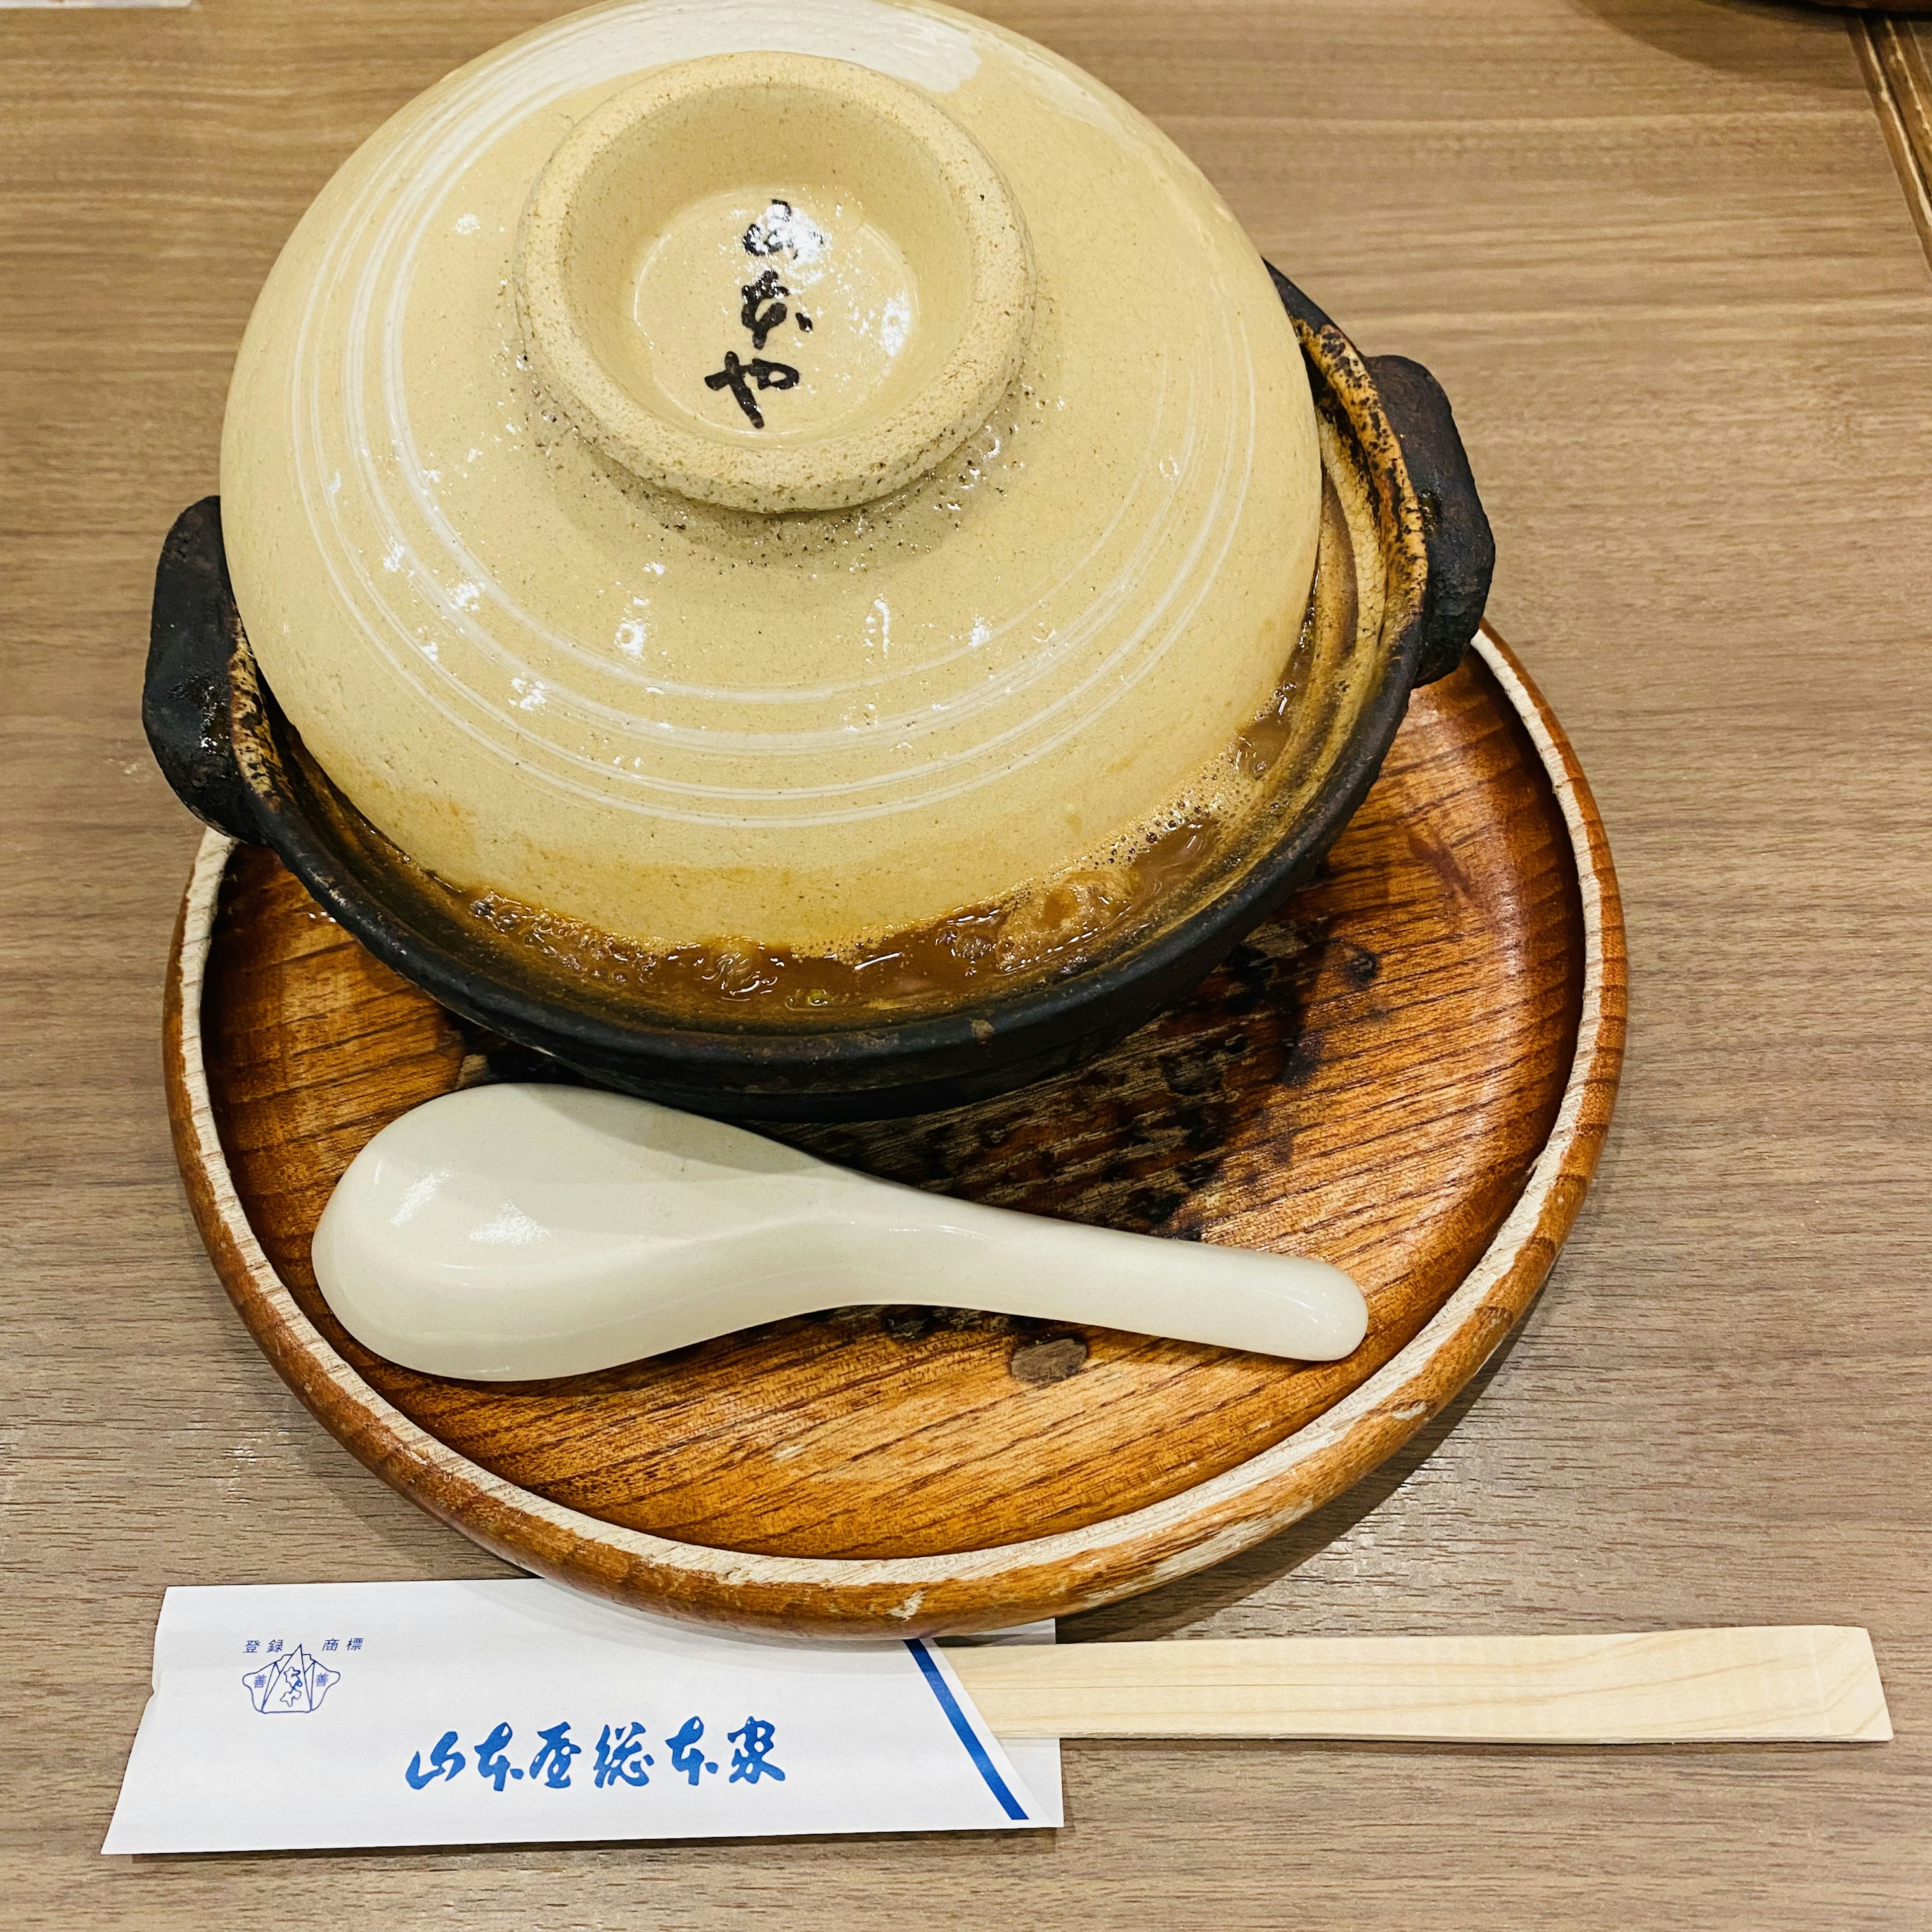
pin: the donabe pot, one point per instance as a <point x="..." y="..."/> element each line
<point x="1404" y="534"/>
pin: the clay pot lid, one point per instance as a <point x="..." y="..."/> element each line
<point x="800" y="490"/>
<point x="894" y="393"/>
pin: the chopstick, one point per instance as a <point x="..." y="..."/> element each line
<point x="1810" y="1683"/>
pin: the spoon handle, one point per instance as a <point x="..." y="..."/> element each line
<point x="1810" y="1683"/>
<point x="955" y="1253"/>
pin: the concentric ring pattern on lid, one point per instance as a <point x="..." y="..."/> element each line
<point x="546" y="677"/>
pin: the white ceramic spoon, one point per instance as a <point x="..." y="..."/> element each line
<point x="511" y="1233"/>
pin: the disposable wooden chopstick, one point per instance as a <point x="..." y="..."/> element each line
<point x="1814" y="1683"/>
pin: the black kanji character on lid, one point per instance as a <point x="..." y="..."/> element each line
<point x="738" y="377"/>
<point x="761" y="322"/>
<point x="769" y="233"/>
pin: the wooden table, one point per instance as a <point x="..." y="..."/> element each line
<point x="1659" y="252"/>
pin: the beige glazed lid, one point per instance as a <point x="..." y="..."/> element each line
<point x="790" y="472"/>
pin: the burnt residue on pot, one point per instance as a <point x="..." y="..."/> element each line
<point x="1048" y="930"/>
<point x="1133" y="1140"/>
<point x="1047" y="1359"/>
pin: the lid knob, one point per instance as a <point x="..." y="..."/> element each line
<point x="773" y="282"/>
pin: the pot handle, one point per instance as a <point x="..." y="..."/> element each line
<point x="185" y="694"/>
<point x="1462" y="551"/>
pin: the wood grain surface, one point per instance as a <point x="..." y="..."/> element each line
<point x="1657" y="252"/>
<point x="1409" y="1073"/>
<point x="1367" y="1080"/>
<point x="1896" y="54"/>
<point x="1804" y="1683"/>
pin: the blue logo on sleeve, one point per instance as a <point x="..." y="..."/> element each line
<point x="293" y="1682"/>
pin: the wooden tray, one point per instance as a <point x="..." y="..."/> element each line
<point x="1409" y="1073"/>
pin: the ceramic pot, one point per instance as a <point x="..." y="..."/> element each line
<point x="1403" y="532"/>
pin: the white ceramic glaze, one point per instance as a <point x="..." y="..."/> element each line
<point x="511" y="1233"/>
<point x="676" y="721"/>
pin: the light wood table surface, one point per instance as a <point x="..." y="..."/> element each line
<point x="1659" y="253"/>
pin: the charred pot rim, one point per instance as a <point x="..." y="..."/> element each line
<point x="228" y="752"/>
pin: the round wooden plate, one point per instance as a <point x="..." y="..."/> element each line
<point x="1409" y="1073"/>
